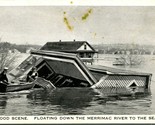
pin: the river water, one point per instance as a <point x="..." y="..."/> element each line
<point x="82" y="101"/>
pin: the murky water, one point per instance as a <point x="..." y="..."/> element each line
<point x="82" y="101"/>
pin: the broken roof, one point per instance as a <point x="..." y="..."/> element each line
<point x="61" y="62"/>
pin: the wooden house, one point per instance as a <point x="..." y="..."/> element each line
<point x="82" y="48"/>
<point x="67" y="70"/>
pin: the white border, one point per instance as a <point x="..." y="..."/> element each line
<point x="63" y="119"/>
<point x="77" y="2"/>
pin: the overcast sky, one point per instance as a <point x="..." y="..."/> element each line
<point x="38" y="25"/>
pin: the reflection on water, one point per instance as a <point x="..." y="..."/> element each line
<point x="64" y="101"/>
<point x="3" y="103"/>
<point x="76" y="101"/>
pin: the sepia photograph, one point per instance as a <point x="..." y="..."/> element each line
<point x="94" y="61"/>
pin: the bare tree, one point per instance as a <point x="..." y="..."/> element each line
<point x="7" y="60"/>
<point x="131" y="59"/>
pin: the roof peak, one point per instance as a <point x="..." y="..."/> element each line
<point x="65" y="41"/>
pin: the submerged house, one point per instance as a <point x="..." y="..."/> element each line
<point x="67" y="70"/>
<point x="62" y="64"/>
<point x="82" y="48"/>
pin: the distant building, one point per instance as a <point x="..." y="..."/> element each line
<point x="82" y="48"/>
<point x="28" y="50"/>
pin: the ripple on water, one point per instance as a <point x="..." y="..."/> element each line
<point x="72" y="101"/>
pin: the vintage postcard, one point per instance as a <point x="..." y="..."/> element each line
<point x="76" y="61"/>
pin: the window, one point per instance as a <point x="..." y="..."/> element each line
<point x="44" y="71"/>
<point x="89" y="55"/>
<point x="81" y="55"/>
<point x="85" y="47"/>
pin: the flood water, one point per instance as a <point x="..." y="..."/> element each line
<point x="82" y="101"/>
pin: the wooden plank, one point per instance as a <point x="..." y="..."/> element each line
<point x="44" y="83"/>
<point x="110" y="70"/>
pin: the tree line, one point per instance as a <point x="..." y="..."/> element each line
<point x="21" y="48"/>
<point x="125" y="48"/>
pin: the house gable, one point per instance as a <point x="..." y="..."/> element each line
<point x="84" y="46"/>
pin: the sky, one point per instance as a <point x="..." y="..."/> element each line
<point x="95" y="24"/>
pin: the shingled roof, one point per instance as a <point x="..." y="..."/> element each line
<point x="65" y="46"/>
